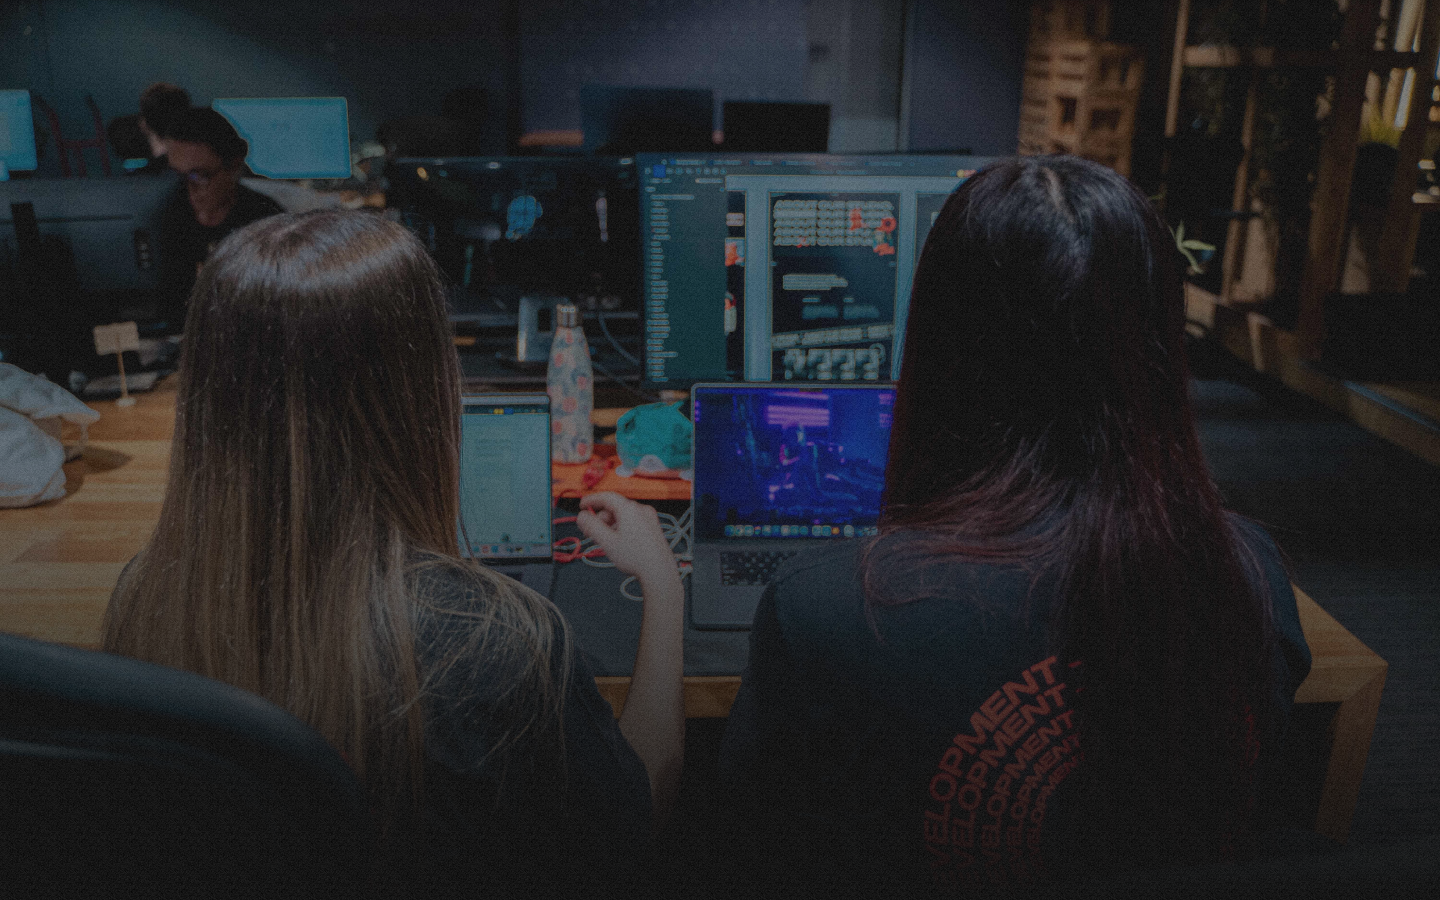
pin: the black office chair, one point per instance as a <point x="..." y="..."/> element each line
<point x="123" y="778"/>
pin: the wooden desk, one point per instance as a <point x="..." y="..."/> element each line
<point x="565" y="480"/>
<point x="1348" y="673"/>
<point x="59" y="563"/>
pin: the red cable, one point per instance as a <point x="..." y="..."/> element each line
<point x="567" y="549"/>
<point x="595" y="472"/>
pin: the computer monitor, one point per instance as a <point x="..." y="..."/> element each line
<point x="292" y="137"/>
<point x="505" y="476"/>
<point x="752" y="127"/>
<point x="626" y="120"/>
<point x="503" y="227"/>
<point x="106" y="226"/>
<point x="17" y="132"/>
<point x="783" y="267"/>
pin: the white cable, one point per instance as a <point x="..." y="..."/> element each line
<point x="625" y="354"/>
<point x="676" y="532"/>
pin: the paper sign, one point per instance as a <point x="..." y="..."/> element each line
<point x="116" y="338"/>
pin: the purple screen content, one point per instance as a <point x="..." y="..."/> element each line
<point x="782" y="462"/>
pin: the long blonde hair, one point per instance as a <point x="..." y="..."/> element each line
<point x="313" y="479"/>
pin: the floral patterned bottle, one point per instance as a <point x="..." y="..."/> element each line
<point x="570" y="383"/>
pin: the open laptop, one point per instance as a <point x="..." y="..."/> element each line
<point x="779" y="468"/>
<point x="505" y="505"/>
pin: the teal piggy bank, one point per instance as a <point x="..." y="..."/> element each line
<point x="654" y="440"/>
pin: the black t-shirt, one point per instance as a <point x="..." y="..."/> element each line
<point x="185" y="243"/>
<point x="928" y="753"/>
<point x="506" y="816"/>
<point x="537" y="818"/>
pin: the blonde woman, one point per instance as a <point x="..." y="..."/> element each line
<point x="307" y="551"/>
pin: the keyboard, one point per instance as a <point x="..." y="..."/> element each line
<point x="751" y="566"/>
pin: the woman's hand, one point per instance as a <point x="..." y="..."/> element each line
<point x="653" y="720"/>
<point x="629" y="533"/>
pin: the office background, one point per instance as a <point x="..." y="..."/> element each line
<point x="1357" y="515"/>
<point x="919" y="75"/>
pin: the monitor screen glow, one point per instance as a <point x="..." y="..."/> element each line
<point x="783" y="267"/>
<point x="17" y="132"/>
<point x="773" y="461"/>
<point x="505" y="477"/>
<point x="292" y="137"/>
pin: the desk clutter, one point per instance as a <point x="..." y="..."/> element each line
<point x="738" y="315"/>
<point x="31" y="454"/>
<point x="802" y="281"/>
<point x="62" y="559"/>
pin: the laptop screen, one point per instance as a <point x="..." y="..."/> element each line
<point x="775" y="461"/>
<point x="505" y="476"/>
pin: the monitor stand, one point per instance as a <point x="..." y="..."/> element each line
<point x="480" y="309"/>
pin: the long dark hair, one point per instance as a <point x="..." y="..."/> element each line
<point x="1043" y="419"/>
<point x="313" y="494"/>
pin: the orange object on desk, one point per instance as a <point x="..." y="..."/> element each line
<point x="59" y="562"/>
<point x="568" y="480"/>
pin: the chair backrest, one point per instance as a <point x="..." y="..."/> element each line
<point x="118" y="776"/>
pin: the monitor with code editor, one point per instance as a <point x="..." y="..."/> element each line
<point x="783" y="267"/>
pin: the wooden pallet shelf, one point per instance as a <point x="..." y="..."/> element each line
<point x="1079" y="96"/>
<point x="1412" y="43"/>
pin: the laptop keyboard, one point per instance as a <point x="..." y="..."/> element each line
<point x="751" y="566"/>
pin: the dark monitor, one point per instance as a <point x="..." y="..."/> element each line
<point x="627" y="120"/>
<point x="783" y="267"/>
<point x="75" y="253"/>
<point x="752" y="127"/>
<point x="104" y="226"/>
<point x="505" y="227"/>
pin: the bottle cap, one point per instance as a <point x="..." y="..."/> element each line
<point x="567" y="315"/>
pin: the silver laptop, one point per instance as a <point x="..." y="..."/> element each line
<point x="779" y="468"/>
<point x="505" y="505"/>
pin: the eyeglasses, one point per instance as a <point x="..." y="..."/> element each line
<point x="201" y="177"/>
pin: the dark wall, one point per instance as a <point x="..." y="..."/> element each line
<point x="742" y="49"/>
<point x="392" y="58"/>
<point x="386" y="57"/>
<point x="966" y="60"/>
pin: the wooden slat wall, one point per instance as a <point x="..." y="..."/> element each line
<point x="1325" y="253"/>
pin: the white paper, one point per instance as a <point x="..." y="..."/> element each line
<point x="116" y="338"/>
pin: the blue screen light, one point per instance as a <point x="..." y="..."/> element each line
<point x="17" y="131"/>
<point x="292" y="137"/>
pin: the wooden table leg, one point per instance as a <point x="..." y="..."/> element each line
<point x="1352" y="727"/>
<point x="706" y="696"/>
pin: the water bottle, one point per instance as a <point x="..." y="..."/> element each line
<point x="570" y="382"/>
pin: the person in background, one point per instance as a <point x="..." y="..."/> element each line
<point x="138" y="140"/>
<point x="128" y="142"/>
<point x="160" y="105"/>
<point x="209" y="203"/>
<point x="307" y="551"/>
<point x="1062" y="657"/>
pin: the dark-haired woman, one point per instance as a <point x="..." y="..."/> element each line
<point x="1061" y="655"/>
<point x="307" y="551"/>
